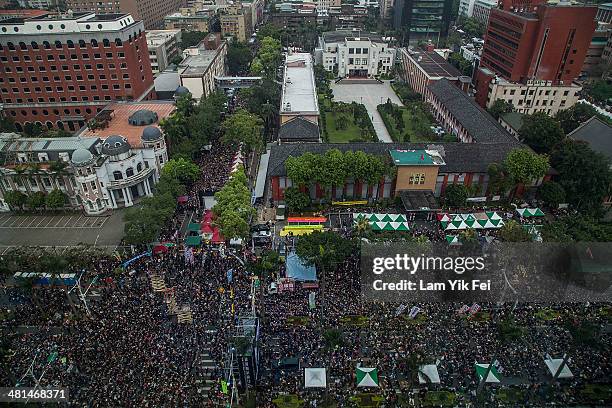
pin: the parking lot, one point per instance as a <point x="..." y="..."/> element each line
<point x="60" y="230"/>
<point x="51" y="221"/>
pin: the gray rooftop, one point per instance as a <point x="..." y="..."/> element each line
<point x="58" y="144"/>
<point x="597" y="134"/>
<point x="479" y="124"/>
<point x="198" y="64"/>
<point x="299" y="93"/>
<point x="299" y="129"/>
<point x="458" y="157"/>
<point x="340" y="36"/>
<point x="514" y="119"/>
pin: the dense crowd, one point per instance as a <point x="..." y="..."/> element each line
<point x="132" y="352"/>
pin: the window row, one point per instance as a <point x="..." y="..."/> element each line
<point x="59" y="45"/>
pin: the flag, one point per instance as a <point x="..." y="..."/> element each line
<point x="52" y="357"/>
<point x="400" y="309"/>
<point x="463" y="309"/>
<point x="414" y="311"/>
<point x="367" y="377"/>
<point x="230" y="275"/>
<point x="311" y="300"/>
<point x="474" y="309"/>
<point x="224" y="386"/>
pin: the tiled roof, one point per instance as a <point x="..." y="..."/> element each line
<point x="299" y="129"/>
<point x="458" y="157"/>
<point x="118" y="125"/>
<point x="597" y="134"/>
<point x="479" y="124"/>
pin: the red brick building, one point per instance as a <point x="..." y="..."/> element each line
<point x="60" y="71"/>
<point x="545" y="46"/>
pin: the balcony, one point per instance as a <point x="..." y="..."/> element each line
<point x="130" y="181"/>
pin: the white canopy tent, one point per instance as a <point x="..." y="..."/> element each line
<point x="315" y="377"/>
<point x="553" y="365"/>
<point x="429" y="374"/>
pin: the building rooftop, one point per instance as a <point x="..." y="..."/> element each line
<point x="118" y="123"/>
<point x="597" y="134"/>
<point x="479" y="123"/>
<point x="299" y="92"/>
<point x="16" y="143"/>
<point x="198" y="64"/>
<point x="299" y="129"/>
<point x="513" y="119"/>
<point x="340" y="36"/>
<point x="458" y="157"/>
<point x="157" y="37"/>
<point x="25" y="13"/>
<point x="409" y="157"/>
<point x="433" y="64"/>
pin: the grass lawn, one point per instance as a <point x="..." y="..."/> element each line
<point x="420" y="318"/>
<point x="367" y="400"/>
<point x="354" y="320"/>
<point x="547" y="314"/>
<point x="597" y="392"/>
<point x="288" y="401"/>
<point x="510" y="395"/>
<point x="416" y="126"/>
<point x="439" y="399"/>
<point x="297" y="320"/>
<point x="351" y="133"/>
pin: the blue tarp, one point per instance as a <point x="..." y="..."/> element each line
<point x="298" y="271"/>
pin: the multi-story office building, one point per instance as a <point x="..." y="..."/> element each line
<point x="466" y="8"/>
<point x="365" y="56"/>
<point x="236" y="22"/>
<point x="546" y="47"/>
<point x="482" y="10"/>
<point x="163" y="47"/>
<point x="198" y="70"/>
<point x="386" y="8"/>
<point x="348" y="17"/>
<point x="151" y="12"/>
<point x="604" y="13"/>
<point x="59" y="71"/>
<point x="422" y="19"/>
<point x="189" y="21"/>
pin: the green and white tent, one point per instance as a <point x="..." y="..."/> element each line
<point x="530" y="212"/>
<point x="481" y="370"/>
<point x="456" y="222"/>
<point x="367" y="377"/>
<point x="384" y="222"/>
<point x="428" y="373"/>
<point x="453" y="240"/>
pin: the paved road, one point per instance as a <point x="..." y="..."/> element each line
<point x="371" y="95"/>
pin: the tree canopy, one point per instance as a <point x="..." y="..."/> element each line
<point x="523" y="166"/>
<point x="456" y="195"/>
<point x="571" y="118"/>
<point x="512" y="231"/>
<point x="233" y="210"/>
<point x="239" y="57"/>
<point x="324" y="249"/>
<point x="541" y="132"/>
<point x="499" y="107"/>
<point x="584" y="174"/>
<point x="268" y="58"/>
<point x="243" y="127"/>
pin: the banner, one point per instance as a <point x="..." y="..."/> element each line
<point x="311" y="300"/>
<point x="400" y="309"/>
<point x="474" y="309"/>
<point x="224" y="386"/>
<point x="230" y="275"/>
<point x="126" y="263"/>
<point x="463" y="309"/>
<point x="413" y="312"/>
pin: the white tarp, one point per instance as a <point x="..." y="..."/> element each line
<point x="429" y="371"/>
<point x="553" y="365"/>
<point x="315" y="377"/>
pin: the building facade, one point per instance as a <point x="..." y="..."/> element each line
<point x="163" y="47"/>
<point x="151" y="12"/>
<point x="95" y="174"/>
<point x="198" y="21"/>
<point x="59" y="71"/>
<point x="421" y="68"/>
<point x="366" y="56"/>
<point x="422" y="20"/>
<point x="466" y="8"/>
<point x="548" y="45"/>
<point x="198" y="70"/>
<point x="530" y="97"/>
<point x="236" y="22"/>
<point x="482" y="9"/>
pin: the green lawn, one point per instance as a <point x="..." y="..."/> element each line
<point x="351" y="133"/>
<point x="416" y="125"/>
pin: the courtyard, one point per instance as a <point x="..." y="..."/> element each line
<point x="370" y="95"/>
<point x="60" y="230"/>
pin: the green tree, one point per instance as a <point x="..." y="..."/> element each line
<point x="191" y="38"/>
<point x="459" y="62"/>
<point x="185" y="105"/>
<point x="234" y="197"/>
<point x="600" y="90"/>
<point x="268" y="58"/>
<point x="243" y="127"/>
<point x="238" y="58"/>
<point x="541" y="132"/>
<point x="512" y="231"/>
<point x="232" y="225"/>
<point x="456" y="195"/>
<point x="15" y="199"/>
<point x="56" y="199"/>
<point x="268" y="30"/>
<point x="552" y="193"/>
<point x="296" y="200"/>
<point x="571" y="118"/>
<point x="577" y="228"/>
<point x="36" y="200"/>
<point x="499" y="107"/>
<point x="182" y="170"/>
<point x="584" y="174"/>
<point x="523" y="166"/>
<point x="324" y="249"/>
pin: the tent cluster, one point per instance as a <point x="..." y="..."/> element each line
<point x="530" y="212"/>
<point x="316" y="377"/>
<point x="384" y="222"/>
<point x="482" y="220"/>
<point x="237" y="162"/>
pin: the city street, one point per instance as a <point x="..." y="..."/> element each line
<point x="371" y="95"/>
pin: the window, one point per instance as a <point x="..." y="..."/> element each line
<point x="117" y="175"/>
<point x="93" y="185"/>
<point x="129" y="172"/>
<point x="58" y="44"/>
